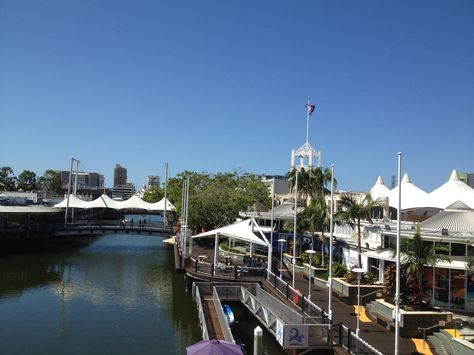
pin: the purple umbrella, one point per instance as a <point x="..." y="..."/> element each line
<point x="214" y="347"/>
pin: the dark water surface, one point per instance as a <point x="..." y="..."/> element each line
<point x="117" y="296"/>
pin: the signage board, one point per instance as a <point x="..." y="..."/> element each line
<point x="295" y="336"/>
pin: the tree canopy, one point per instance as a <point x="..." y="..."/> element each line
<point x="214" y="199"/>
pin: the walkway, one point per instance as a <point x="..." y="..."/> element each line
<point x="374" y="334"/>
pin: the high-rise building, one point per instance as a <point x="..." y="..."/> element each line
<point x="153" y="180"/>
<point x="85" y="181"/>
<point x="120" y="175"/>
<point x="467" y="178"/>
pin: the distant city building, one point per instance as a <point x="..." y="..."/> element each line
<point x="123" y="191"/>
<point x="85" y="181"/>
<point x="467" y="178"/>
<point x="120" y="175"/>
<point x="153" y="181"/>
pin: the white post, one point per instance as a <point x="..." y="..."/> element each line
<point x="68" y="193"/>
<point x="187" y="213"/>
<point x="331" y="231"/>
<point x="294" y="229"/>
<point x="216" y="248"/>
<point x="166" y="188"/>
<point x="397" y="291"/>
<point x="257" y="341"/>
<point x="292" y="158"/>
<point x="310" y="254"/>
<point x="359" y="272"/>
<point x="270" y="248"/>
<point x="281" y="241"/>
<point x="75" y="188"/>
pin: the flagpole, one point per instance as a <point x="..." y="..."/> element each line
<point x="397" y="290"/>
<point x="308" y="108"/>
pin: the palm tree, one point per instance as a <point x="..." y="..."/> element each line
<point x="315" y="218"/>
<point x="419" y="254"/>
<point x="353" y="212"/>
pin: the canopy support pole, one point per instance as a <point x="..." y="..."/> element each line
<point x="216" y="248"/>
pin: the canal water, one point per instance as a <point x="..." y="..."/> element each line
<point x="119" y="295"/>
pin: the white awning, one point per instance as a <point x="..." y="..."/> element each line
<point x="379" y="190"/>
<point x="412" y="195"/>
<point x="243" y="230"/>
<point x="385" y="254"/>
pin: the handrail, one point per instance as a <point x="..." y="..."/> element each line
<point x="424" y="329"/>
<point x="221" y="316"/>
<point x="369" y="294"/>
<point x="202" y="319"/>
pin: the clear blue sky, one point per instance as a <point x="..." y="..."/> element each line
<point x="216" y="85"/>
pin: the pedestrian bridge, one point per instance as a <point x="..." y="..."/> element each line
<point x="98" y="229"/>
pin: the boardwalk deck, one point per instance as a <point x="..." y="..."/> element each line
<point x="212" y="321"/>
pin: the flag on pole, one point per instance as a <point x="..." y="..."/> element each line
<point x="310" y="108"/>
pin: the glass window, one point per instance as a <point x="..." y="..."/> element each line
<point x="442" y="248"/>
<point x="458" y="249"/>
<point x="470" y="292"/>
<point x="457" y="289"/>
<point x="428" y="284"/>
<point x="442" y="287"/>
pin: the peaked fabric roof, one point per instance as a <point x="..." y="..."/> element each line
<point x="412" y="195"/>
<point x="160" y="205"/>
<point x="451" y="191"/>
<point x="74" y="202"/>
<point x="457" y="217"/>
<point x="105" y="201"/>
<point x="243" y="230"/>
<point x="379" y="190"/>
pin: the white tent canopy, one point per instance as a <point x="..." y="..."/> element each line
<point x="134" y="202"/>
<point x="243" y="230"/>
<point x="160" y="205"/>
<point x="379" y="190"/>
<point x="412" y="195"/>
<point x="74" y="202"/>
<point x="451" y="191"/>
<point x="105" y="201"/>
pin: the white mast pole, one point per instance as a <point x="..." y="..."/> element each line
<point x="68" y="193"/>
<point x="270" y="248"/>
<point x="75" y="187"/>
<point x="166" y="187"/>
<point x="187" y="210"/>
<point x="294" y="229"/>
<point x="397" y="290"/>
<point x="331" y="231"/>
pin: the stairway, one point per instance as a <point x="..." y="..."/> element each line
<point x="441" y="342"/>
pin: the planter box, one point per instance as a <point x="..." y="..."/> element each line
<point x="348" y="292"/>
<point x="314" y="271"/>
<point x="383" y="312"/>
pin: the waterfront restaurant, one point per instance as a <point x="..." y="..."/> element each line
<point x="446" y="218"/>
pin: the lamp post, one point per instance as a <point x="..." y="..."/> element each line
<point x="310" y="252"/>
<point x="359" y="272"/>
<point x="281" y="241"/>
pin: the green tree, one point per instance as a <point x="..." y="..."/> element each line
<point x="353" y="212"/>
<point x="315" y="218"/>
<point x="216" y="200"/>
<point x="51" y="181"/>
<point x="27" y="180"/>
<point x="7" y="179"/>
<point x="154" y="194"/>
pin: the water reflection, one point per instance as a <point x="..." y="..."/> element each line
<point x="119" y="295"/>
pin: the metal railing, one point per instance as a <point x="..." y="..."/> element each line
<point x="231" y="272"/>
<point x="202" y="318"/>
<point x="222" y="317"/>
